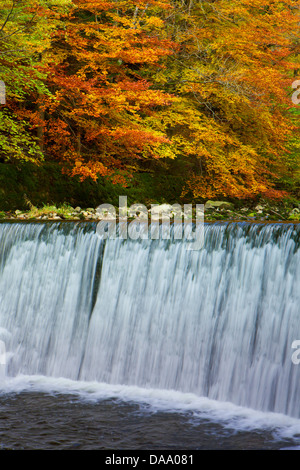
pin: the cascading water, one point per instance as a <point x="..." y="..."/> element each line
<point x="218" y="322"/>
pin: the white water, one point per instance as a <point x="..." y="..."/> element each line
<point x="155" y="317"/>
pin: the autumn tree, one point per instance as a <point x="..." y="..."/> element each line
<point x="25" y="29"/>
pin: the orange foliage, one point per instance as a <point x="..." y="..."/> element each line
<point x="231" y="74"/>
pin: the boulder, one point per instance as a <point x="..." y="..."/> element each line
<point x="138" y="210"/>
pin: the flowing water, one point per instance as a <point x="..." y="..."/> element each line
<point x="145" y="343"/>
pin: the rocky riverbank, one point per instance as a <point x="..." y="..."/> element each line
<point x="213" y="211"/>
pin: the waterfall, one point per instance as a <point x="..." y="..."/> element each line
<point x="218" y="322"/>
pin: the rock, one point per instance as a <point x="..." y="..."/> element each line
<point x="17" y="212"/>
<point x="138" y="210"/>
<point x="218" y="205"/>
<point x="295" y="211"/>
<point x="199" y="213"/>
<point x="77" y="209"/>
<point x="259" y="208"/>
<point x="107" y="211"/>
